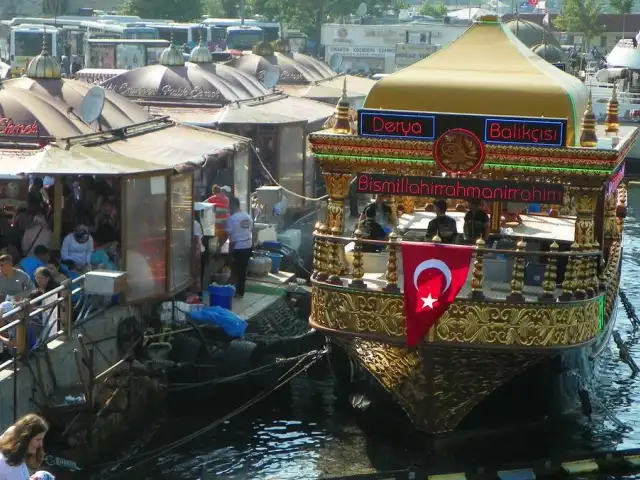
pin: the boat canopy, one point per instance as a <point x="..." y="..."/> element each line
<point x="486" y="71"/>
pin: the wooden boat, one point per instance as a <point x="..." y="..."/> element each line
<point x="509" y="132"/>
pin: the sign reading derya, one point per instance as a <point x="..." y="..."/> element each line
<point x="525" y="131"/>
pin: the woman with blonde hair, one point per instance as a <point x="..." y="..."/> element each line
<point x="21" y="447"/>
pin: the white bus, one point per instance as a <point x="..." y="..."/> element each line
<point x="180" y="33"/>
<point x="19" y="44"/>
<point x="243" y="37"/>
<point x="271" y="30"/>
<point x="129" y="31"/>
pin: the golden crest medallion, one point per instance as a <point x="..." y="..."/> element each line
<point x="458" y="151"/>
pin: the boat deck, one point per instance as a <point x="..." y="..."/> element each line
<point x="498" y="272"/>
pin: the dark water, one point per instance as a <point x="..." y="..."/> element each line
<point x="303" y="433"/>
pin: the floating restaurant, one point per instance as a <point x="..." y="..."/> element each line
<point x="111" y="141"/>
<point x="496" y="291"/>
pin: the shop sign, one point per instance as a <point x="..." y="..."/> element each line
<point x="285" y="75"/>
<point x="408" y="53"/>
<point x="522" y="131"/>
<point x="10" y="129"/>
<point x="166" y="91"/>
<point x="362" y="52"/>
<point x="469" y="189"/>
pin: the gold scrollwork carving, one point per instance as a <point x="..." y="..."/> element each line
<point x="345" y="310"/>
<point x="465" y="323"/>
<point x="437" y="387"/>
<point x="337" y="185"/>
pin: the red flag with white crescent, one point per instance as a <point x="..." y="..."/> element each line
<point x="433" y="276"/>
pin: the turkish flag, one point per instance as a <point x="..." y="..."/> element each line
<point x="433" y="276"/>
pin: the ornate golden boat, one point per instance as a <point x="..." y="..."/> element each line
<point x="503" y="129"/>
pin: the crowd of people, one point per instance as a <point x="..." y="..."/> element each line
<point x="379" y="218"/>
<point x="31" y="264"/>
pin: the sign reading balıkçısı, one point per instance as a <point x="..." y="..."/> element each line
<point x="410" y="53"/>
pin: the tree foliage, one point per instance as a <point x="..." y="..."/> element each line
<point x="622" y="7"/>
<point x="178" y="10"/>
<point x="580" y="16"/>
<point x="433" y="9"/>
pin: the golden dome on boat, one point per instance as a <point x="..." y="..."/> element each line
<point x="44" y="66"/>
<point x="200" y="54"/>
<point x="171" y="57"/>
<point x="460" y="78"/>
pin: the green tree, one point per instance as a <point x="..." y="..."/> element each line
<point x="309" y="15"/>
<point x="622" y="7"/>
<point x="433" y="9"/>
<point x="580" y="16"/>
<point x="179" y="10"/>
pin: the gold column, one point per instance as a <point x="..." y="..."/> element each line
<point x="517" y="280"/>
<point x="621" y="208"/>
<point x="477" y="277"/>
<point x="586" y="200"/>
<point x="550" y="275"/>
<point x="357" y="270"/>
<point x="611" y="232"/>
<point x="324" y="254"/>
<point x="496" y="215"/>
<point x="338" y="189"/>
<point x="392" y="265"/>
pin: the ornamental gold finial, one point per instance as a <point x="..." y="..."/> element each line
<point x="343" y="122"/>
<point x="588" y="137"/>
<point x="612" y="122"/>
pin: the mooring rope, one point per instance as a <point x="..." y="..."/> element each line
<point x="628" y="307"/>
<point x="284" y="379"/>
<point x="264" y="368"/>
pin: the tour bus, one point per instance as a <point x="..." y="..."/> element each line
<point x="19" y="44"/>
<point x="271" y="30"/>
<point x="123" y="54"/>
<point x="108" y="29"/>
<point x="243" y="37"/>
<point x="180" y="33"/>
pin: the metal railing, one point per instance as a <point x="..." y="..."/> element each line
<point x="28" y="311"/>
<point x="585" y="275"/>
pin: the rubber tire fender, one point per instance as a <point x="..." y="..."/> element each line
<point x="239" y="357"/>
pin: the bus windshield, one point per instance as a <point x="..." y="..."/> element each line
<point x="180" y="35"/>
<point x="29" y="44"/>
<point x="139" y="34"/>
<point x="243" y="39"/>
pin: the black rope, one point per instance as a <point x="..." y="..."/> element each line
<point x="628" y="307"/>
<point x="148" y="456"/>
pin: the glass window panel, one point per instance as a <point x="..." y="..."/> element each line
<point x="146" y="236"/>
<point x="291" y="161"/>
<point x="181" y="230"/>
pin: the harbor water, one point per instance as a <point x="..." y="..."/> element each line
<point x="301" y="432"/>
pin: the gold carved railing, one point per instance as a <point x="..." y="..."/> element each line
<point x="348" y="303"/>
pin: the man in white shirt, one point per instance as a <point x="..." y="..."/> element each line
<point x="239" y="228"/>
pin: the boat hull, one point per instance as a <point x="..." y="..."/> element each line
<point x="445" y="389"/>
